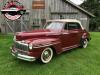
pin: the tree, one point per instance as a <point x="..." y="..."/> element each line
<point x="93" y="6"/>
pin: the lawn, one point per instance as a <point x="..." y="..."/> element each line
<point x="75" y="62"/>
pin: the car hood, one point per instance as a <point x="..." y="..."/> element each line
<point x="36" y="34"/>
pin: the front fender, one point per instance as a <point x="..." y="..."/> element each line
<point x="40" y="44"/>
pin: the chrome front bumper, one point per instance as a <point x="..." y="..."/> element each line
<point x="22" y="56"/>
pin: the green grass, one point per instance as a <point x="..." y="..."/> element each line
<point x="75" y="62"/>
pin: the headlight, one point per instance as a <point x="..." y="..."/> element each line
<point x="30" y="46"/>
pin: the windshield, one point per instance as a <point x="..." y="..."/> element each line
<point x="54" y="25"/>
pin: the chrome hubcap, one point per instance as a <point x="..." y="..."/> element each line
<point x="46" y="55"/>
<point x="85" y="43"/>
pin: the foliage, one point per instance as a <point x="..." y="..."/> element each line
<point x="93" y="6"/>
<point x="75" y="62"/>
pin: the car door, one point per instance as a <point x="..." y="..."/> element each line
<point x="74" y="30"/>
<point x="65" y="37"/>
<point x="71" y="35"/>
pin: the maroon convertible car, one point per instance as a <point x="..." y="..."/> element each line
<point x="56" y="36"/>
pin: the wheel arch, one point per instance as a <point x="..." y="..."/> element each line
<point x="54" y="50"/>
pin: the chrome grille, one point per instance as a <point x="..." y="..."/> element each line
<point x="21" y="46"/>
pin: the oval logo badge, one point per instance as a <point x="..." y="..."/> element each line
<point x="13" y="10"/>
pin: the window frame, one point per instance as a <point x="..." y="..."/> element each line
<point x="78" y="26"/>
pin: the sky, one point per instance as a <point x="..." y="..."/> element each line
<point x="78" y="2"/>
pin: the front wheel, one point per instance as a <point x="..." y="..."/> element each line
<point x="46" y="55"/>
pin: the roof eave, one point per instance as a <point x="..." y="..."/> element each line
<point x="78" y="7"/>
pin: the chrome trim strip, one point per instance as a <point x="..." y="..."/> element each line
<point x="45" y="45"/>
<point x="70" y="47"/>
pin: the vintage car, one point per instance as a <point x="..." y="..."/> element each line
<point x="55" y="37"/>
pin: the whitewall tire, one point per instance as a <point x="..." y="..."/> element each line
<point x="46" y="55"/>
<point x="85" y="43"/>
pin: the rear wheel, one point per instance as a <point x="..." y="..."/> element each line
<point x="84" y="43"/>
<point x="46" y="55"/>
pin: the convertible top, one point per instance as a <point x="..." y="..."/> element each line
<point x="66" y="20"/>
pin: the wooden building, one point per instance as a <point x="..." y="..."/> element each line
<point x="38" y="11"/>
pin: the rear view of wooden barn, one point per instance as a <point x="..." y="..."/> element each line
<point x="38" y="11"/>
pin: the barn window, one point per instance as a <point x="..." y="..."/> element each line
<point x="38" y="4"/>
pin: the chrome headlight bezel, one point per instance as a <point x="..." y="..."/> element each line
<point x="30" y="46"/>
